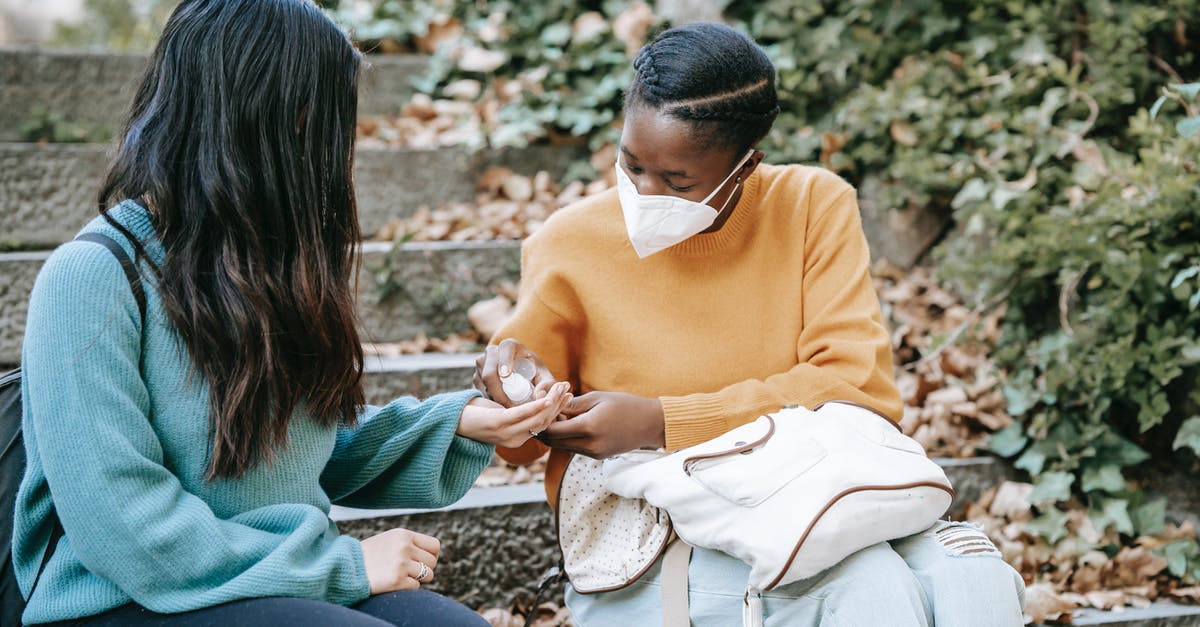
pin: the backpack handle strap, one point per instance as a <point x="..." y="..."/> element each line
<point x="131" y="273"/>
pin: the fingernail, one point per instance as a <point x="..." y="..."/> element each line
<point x="504" y="371"/>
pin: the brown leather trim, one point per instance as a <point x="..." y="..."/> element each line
<point x="690" y="461"/>
<point x="837" y="498"/>
<point x="558" y="540"/>
<point x="861" y="406"/>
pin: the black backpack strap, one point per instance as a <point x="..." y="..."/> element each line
<point x="131" y="273"/>
<point x="139" y="294"/>
<point x="55" y="535"/>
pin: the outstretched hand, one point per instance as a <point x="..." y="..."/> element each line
<point x="603" y="424"/>
<point x="496" y="364"/>
<point x="490" y="422"/>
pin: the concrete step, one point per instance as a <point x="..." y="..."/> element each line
<point x="1160" y="614"/>
<point x="438" y="282"/>
<point x="47" y="192"/>
<point x="422" y="376"/>
<point x="96" y="87"/>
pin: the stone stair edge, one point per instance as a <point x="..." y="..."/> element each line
<point x="368" y="248"/>
<point x="47" y="191"/>
<point x="440" y="282"/>
<point x="94" y="86"/>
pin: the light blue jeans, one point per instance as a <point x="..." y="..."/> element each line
<point x="949" y="575"/>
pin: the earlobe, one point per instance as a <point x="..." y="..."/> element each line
<point x="751" y="165"/>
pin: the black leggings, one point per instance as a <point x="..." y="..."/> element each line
<point x="405" y="608"/>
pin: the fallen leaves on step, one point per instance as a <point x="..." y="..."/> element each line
<point x="548" y="614"/>
<point x="950" y="389"/>
<point x="508" y="206"/>
<point x="1086" y="567"/>
<point x="467" y="342"/>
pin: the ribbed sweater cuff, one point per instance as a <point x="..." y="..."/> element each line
<point x="692" y="419"/>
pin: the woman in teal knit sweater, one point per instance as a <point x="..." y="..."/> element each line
<point x="192" y="455"/>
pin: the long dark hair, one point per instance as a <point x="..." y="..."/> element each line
<point x="240" y="143"/>
<point x="712" y="76"/>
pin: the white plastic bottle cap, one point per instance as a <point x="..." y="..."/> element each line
<point x="518" y="386"/>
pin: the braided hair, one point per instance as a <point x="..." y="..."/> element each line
<point x="711" y="76"/>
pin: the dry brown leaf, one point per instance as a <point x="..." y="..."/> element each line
<point x="476" y="59"/>
<point x="463" y="89"/>
<point x="1137" y="564"/>
<point x="497" y="617"/>
<point x="1190" y="594"/>
<point x="518" y="188"/>
<point x="487" y="316"/>
<point x="440" y="30"/>
<point x="1012" y="501"/>
<point x="588" y="26"/>
<point x="903" y="133"/>
<point x="1043" y="603"/>
<point x="632" y="25"/>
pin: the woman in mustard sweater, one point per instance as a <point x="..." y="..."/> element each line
<point x="707" y="289"/>
<point x="181" y="463"/>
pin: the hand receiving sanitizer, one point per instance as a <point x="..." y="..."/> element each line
<point x="518" y="385"/>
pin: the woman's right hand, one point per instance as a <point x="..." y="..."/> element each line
<point x="496" y="364"/>
<point x="393" y="560"/>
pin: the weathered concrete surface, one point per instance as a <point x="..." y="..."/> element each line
<point x="48" y="192"/>
<point x="434" y="285"/>
<point x="421" y="376"/>
<point x="83" y="87"/>
<point x="394" y="182"/>
<point x="970" y="477"/>
<point x="489" y="557"/>
<point x="17" y="272"/>
<point x="91" y="87"/>
<point x="902" y="235"/>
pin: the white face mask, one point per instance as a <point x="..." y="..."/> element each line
<point x="658" y="222"/>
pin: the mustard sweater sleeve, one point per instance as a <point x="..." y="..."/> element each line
<point x="844" y="352"/>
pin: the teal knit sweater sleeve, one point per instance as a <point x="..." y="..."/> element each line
<point x="126" y="517"/>
<point x="405" y="454"/>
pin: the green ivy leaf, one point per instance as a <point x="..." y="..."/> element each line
<point x="1008" y="441"/>
<point x="1019" y="399"/>
<point x="1188" y="126"/>
<point x="1157" y="105"/>
<point x="1178" y="554"/>
<point x="1051" y="525"/>
<point x="1150" y="518"/>
<point x="1184" y="275"/>
<point x="1107" y="478"/>
<point x="1031" y="461"/>
<point x="1113" y="512"/>
<point x="1188" y="435"/>
<point x="1052" y="486"/>
<point x="1187" y="90"/>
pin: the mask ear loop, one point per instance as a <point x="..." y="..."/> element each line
<point x="737" y="183"/>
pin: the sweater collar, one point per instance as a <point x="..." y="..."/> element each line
<point x="739" y="222"/>
<point x="133" y="216"/>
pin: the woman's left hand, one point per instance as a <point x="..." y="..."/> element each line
<point x="603" y="424"/>
<point x="488" y="421"/>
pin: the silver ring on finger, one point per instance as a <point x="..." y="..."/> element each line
<point x="423" y="573"/>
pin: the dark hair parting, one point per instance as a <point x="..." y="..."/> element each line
<point x="710" y="75"/>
